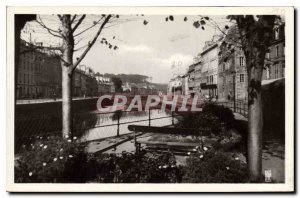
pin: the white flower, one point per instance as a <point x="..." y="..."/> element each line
<point x="173" y="166"/>
<point x="41" y="145"/>
<point x="205" y="148"/>
<point x="61" y="149"/>
<point x="70" y="156"/>
<point x="236" y="158"/>
<point x="227" y="168"/>
<point x="45" y="146"/>
<point x="69" y="140"/>
<point x="30" y="174"/>
<point x="201" y="156"/>
<point x="66" y="136"/>
<point x="61" y="157"/>
<point x="159" y="167"/>
<point x="33" y="147"/>
<point x="189" y="153"/>
<point x="44" y="164"/>
<point x="194" y="149"/>
<point x="165" y="166"/>
<point x="55" y="159"/>
<point x="41" y="137"/>
<point x="74" y="138"/>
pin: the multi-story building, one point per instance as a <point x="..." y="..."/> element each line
<point x="175" y="85"/>
<point x="39" y="73"/>
<point x="191" y="78"/>
<point x="209" y="68"/>
<point x="198" y="75"/>
<point x="232" y="72"/>
<point x="275" y="58"/>
<point x="104" y="85"/>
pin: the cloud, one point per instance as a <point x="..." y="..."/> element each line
<point x="135" y="48"/>
<point x="182" y="60"/>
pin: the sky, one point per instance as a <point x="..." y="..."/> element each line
<point x="149" y="49"/>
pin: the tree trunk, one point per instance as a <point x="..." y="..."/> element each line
<point x="66" y="102"/>
<point x="255" y="124"/>
<point x="66" y="65"/>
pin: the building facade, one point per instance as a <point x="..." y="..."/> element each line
<point x="38" y="73"/>
<point x="209" y="70"/>
<point x="275" y="58"/>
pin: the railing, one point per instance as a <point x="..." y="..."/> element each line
<point x="240" y="107"/>
<point x="100" y="124"/>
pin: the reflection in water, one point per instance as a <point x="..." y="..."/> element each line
<point x="105" y="125"/>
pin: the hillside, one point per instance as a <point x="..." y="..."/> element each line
<point x="137" y="78"/>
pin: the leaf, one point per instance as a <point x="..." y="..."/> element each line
<point x="114" y="37"/>
<point x="226" y="27"/>
<point x="202" y="22"/>
<point x="202" y="28"/>
<point x="167" y="18"/>
<point x="171" y="18"/>
<point x="207" y="18"/>
<point x="185" y="19"/>
<point x="145" y="22"/>
<point x="117" y="16"/>
<point x="196" y="24"/>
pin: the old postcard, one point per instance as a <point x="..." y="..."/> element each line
<point x="150" y="99"/>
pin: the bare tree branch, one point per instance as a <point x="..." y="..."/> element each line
<point x="78" y="23"/>
<point x="91" y="43"/>
<point x="50" y="31"/>
<point x="60" y="17"/>
<point x="73" y="19"/>
<point x="96" y="23"/>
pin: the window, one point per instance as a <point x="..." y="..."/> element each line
<point x="276" y="70"/>
<point x="242" y="77"/>
<point x="277" y="34"/>
<point x="277" y="50"/>
<point x="268" y="73"/>
<point x="241" y="61"/>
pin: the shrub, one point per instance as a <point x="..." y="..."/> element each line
<point x="51" y="159"/>
<point x="139" y="167"/>
<point x="201" y="121"/>
<point x="214" y="167"/>
<point x="224" y="114"/>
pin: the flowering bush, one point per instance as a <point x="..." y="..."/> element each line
<point x="214" y="167"/>
<point x="57" y="160"/>
<point x="51" y="159"/>
<point x="139" y="167"/>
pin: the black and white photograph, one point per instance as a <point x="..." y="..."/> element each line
<point x="124" y="99"/>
